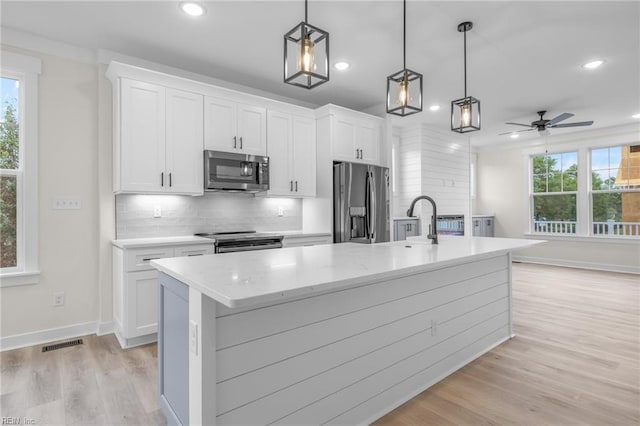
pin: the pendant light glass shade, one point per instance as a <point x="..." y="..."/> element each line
<point x="465" y="112"/>
<point x="404" y="88"/>
<point x="306" y="55"/>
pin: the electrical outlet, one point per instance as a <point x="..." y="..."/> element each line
<point x="280" y="211"/>
<point x="193" y="337"/>
<point x="157" y="211"/>
<point x="58" y="299"/>
<point x="66" y="203"/>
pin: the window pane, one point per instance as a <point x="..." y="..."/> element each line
<point x="9" y="142"/>
<point x="539" y="183"/>
<point x="600" y="179"/>
<point x="8" y="222"/>
<point x="616" y="213"/>
<point x="554" y="213"/>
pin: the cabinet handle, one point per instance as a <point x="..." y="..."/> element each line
<point x="240" y="142"/>
<point x="162" y="179"/>
<point x="234" y="141"/>
<point x="296" y="186"/>
<point x="170" y="183"/>
<point x="147" y="259"/>
<point x="291" y="185"/>
<point x="197" y="254"/>
<point x="361" y="153"/>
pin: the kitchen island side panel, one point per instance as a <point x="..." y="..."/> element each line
<point x="351" y="353"/>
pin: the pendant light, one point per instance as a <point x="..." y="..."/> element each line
<point x="404" y="88"/>
<point x="306" y="55"/>
<point x="465" y="112"/>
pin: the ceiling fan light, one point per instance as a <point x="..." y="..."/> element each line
<point x="514" y="136"/>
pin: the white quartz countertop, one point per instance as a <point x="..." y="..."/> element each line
<point x="192" y="239"/>
<point x="254" y="277"/>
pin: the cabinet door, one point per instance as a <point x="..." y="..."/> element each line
<point x="343" y="139"/>
<point x="476" y="230"/>
<point x="184" y="143"/>
<point x="303" y="145"/>
<point x="412" y="228"/>
<point x="400" y="230"/>
<point x="280" y="158"/>
<point x="220" y="125"/>
<point x="252" y="130"/>
<point x="142" y="137"/>
<point x="368" y="141"/>
<point x="141" y="303"/>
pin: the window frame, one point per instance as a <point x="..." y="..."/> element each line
<point x="592" y="191"/>
<point x="25" y="69"/>
<point x="533" y="194"/>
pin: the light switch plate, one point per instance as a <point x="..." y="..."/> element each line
<point x="66" y="203"/>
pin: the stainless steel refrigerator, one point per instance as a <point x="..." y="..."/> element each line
<point x="360" y="203"/>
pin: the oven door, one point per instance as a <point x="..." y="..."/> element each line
<point x="225" y="171"/>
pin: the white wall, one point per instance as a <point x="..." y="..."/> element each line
<point x="502" y="174"/>
<point x="68" y="246"/>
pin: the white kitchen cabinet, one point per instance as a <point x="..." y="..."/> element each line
<point x="135" y="289"/>
<point x="158" y="139"/>
<point x="291" y="146"/>
<point x="404" y="228"/>
<point x="482" y="225"/>
<point x="232" y="126"/>
<point x="354" y="136"/>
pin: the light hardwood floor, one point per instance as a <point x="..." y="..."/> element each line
<point x="575" y="360"/>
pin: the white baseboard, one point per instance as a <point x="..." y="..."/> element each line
<point x="50" y="335"/>
<point x="576" y="264"/>
<point x="105" y="328"/>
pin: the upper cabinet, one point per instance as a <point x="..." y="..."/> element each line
<point x="158" y="139"/>
<point x="354" y="136"/>
<point x="232" y="126"/>
<point x="291" y="141"/>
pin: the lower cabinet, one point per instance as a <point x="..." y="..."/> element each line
<point x="135" y="290"/>
<point x="483" y="226"/>
<point x="404" y="228"/>
<point x="306" y="240"/>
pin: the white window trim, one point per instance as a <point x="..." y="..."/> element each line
<point x="584" y="216"/>
<point x="26" y="68"/>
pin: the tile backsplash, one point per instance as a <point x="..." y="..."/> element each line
<point x="215" y="211"/>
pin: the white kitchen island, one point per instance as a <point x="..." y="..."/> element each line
<point x="331" y="334"/>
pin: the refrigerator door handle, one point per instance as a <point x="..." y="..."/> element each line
<point x="373" y="206"/>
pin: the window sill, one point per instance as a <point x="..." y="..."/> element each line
<point x="13" y="279"/>
<point x="583" y="238"/>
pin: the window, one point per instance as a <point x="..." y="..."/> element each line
<point x="615" y="191"/>
<point x="18" y="169"/>
<point x="554" y="193"/>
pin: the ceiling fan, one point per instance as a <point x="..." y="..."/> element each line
<point x="541" y="125"/>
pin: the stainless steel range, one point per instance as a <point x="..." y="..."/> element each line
<point x="234" y="241"/>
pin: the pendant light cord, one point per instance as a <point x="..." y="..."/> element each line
<point x="306" y="19"/>
<point x="465" y="62"/>
<point x="404" y="35"/>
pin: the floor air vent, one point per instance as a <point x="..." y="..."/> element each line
<point x="61" y="345"/>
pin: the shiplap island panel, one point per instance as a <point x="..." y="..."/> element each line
<point x="338" y="333"/>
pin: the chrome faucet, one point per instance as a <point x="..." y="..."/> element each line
<point x="433" y="234"/>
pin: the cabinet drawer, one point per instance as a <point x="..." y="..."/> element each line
<point x="193" y="250"/>
<point x="138" y="259"/>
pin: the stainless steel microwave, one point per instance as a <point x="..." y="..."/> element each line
<point x="228" y="171"/>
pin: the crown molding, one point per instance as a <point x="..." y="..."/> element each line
<point x="28" y="41"/>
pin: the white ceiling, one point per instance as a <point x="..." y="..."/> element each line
<point x="522" y="56"/>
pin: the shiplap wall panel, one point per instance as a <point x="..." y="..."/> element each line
<point x="328" y="368"/>
<point x="258" y="353"/>
<point x="259" y="383"/>
<point x="234" y="329"/>
<point x="315" y="401"/>
<point x="386" y="399"/>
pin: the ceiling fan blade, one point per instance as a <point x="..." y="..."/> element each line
<point x="576" y="124"/>
<point x="559" y="118"/>
<point x="516" y="131"/>
<point x="519" y="124"/>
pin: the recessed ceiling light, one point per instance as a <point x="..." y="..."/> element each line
<point x="341" y="66"/>
<point x="635" y="116"/>
<point x="593" y="64"/>
<point x="514" y="136"/>
<point x="434" y="107"/>
<point x="192" y="8"/>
